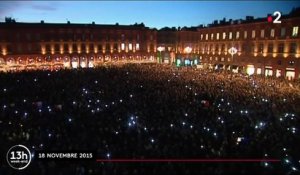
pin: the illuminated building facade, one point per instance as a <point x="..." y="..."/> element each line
<point x="260" y="47"/>
<point x="178" y="44"/>
<point x="54" y="46"/>
<point x="252" y="46"/>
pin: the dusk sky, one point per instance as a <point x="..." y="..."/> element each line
<point x="152" y="13"/>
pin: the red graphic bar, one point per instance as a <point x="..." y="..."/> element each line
<point x="188" y="160"/>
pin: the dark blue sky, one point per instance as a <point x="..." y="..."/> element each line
<point x="153" y="13"/>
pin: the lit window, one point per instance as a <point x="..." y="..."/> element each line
<point x="99" y="47"/>
<point x="230" y="35"/>
<point x="281" y="48"/>
<point x="282" y="32"/>
<point x="293" y="47"/>
<point x="201" y="36"/>
<point x="252" y="48"/>
<point x="223" y="48"/>
<point x="137" y="46"/>
<point x="224" y="35"/>
<point x="212" y="36"/>
<point x="206" y="37"/>
<point x="115" y="47"/>
<point x="262" y="33"/>
<point x="237" y="35"/>
<point x="272" y="33"/>
<point x="218" y="36"/>
<point x="91" y="47"/>
<point x="261" y="48"/>
<point x="122" y="46"/>
<point x="295" y="31"/>
<point x="74" y="48"/>
<point x="130" y="46"/>
<point x="107" y="47"/>
<point x="83" y="47"/>
<point x="253" y="33"/>
<point x="245" y="34"/>
<point x="270" y="48"/>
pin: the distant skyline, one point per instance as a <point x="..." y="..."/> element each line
<point x="154" y="14"/>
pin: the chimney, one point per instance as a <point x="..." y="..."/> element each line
<point x="249" y="18"/>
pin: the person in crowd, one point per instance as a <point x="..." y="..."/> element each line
<point x="151" y="111"/>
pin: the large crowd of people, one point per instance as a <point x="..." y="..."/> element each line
<point x="151" y="111"/>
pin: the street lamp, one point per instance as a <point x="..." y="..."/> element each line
<point x="160" y="48"/>
<point x="232" y="51"/>
<point x="188" y="50"/>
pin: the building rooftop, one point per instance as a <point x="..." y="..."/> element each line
<point x="12" y="22"/>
